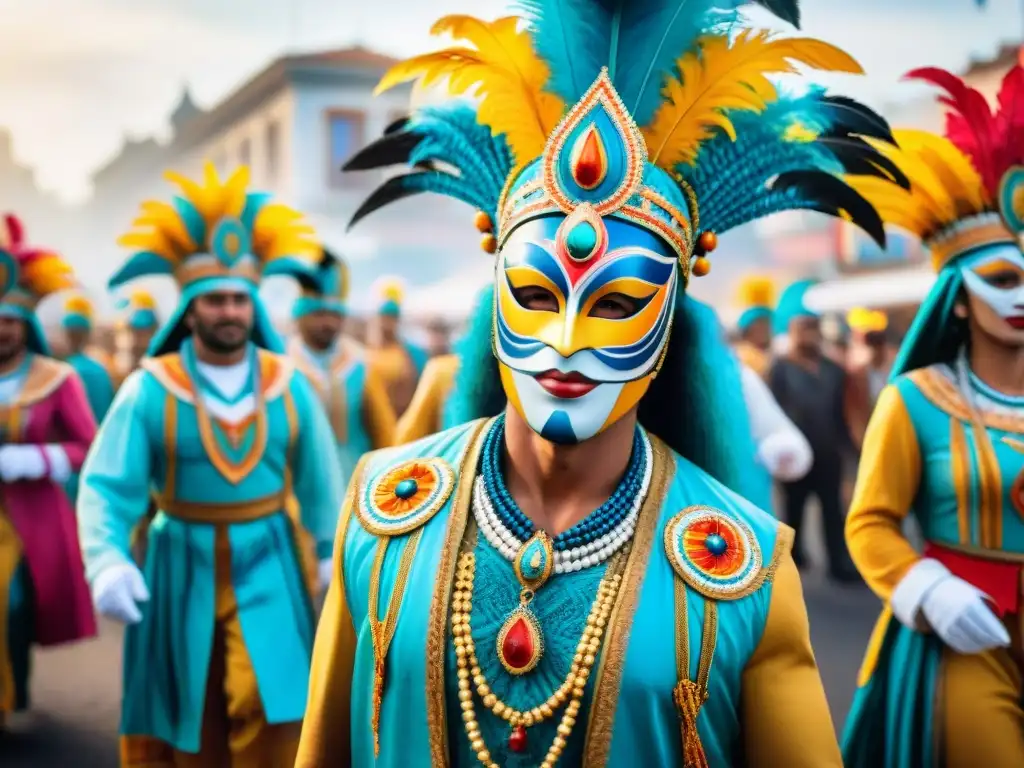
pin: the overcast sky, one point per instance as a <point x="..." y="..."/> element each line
<point x="76" y="76"/>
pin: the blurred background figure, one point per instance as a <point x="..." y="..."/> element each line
<point x="868" y="369"/>
<point x="398" y="361"/>
<point x="754" y="327"/>
<point x="439" y="336"/>
<point x="138" y="324"/>
<point x="810" y="387"/>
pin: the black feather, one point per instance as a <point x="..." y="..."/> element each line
<point x="391" y="190"/>
<point x="787" y="10"/>
<point x="860" y="158"/>
<point x="390" y="149"/>
<point x="826" y="193"/>
<point x="396" y="126"/>
<point x="857" y="118"/>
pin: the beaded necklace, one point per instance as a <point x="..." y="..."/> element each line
<point x="535" y="556"/>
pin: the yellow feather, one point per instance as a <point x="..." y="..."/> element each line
<point x="499" y="65"/>
<point x="866" y="320"/>
<point x="388" y="289"/>
<point x="163" y="216"/>
<point x="757" y="291"/>
<point x="718" y="76"/>
<point x="48" y="274"/>
<point x="142" y="300"/>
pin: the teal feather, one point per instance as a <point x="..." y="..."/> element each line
<point x="638" y="41"/>
<point x="254" y="202"/>
<point x="140" y="264"/>
<point x="192" y="219"/>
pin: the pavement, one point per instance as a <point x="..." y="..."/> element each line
<point x="76" y="690"/>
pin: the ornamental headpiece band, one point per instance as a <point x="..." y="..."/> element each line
<point x="967" y="187"/>
<point x="719" y="145"/>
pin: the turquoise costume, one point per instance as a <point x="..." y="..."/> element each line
<point x="607" y="147"/>
<point x="99" y="387"/>
<point x="948" y="448"/>
<point x="249" y="465"/>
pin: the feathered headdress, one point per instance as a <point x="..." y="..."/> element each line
<point x="139" y="310"/>
<point x="652" y="111"/>
<point x="28" y="273"/>
<point x="217" y="229"/>
<point x="757" y="297"/>
<point x="327" y="290"/>
<point x="78" y="312"/>
<point x="389" y="293"/>
<point x="967" y="187"/>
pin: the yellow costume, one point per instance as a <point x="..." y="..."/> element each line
<point x="399" y="362"/>
<point x="426" y="413"/>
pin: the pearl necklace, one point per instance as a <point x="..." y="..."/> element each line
<point x="569" y="693"/>
<point x="583" y="556"/>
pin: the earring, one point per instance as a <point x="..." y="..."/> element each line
<point x="960" y="310"/>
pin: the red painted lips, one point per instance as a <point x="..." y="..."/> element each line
<point x="567" y="386"/>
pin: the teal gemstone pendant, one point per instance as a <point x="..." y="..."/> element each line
<point x="535" y="561"/>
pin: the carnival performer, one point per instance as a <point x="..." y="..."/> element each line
<point x="866" y="378"/>
<point x="599" y="583"/>
<point x="810" y="388"/>
<point x="137" y="326"/>
<point x="399" y="362"/>
<point x="941" y="681"/>
<point x="753" y="347"/>
<point x="46" y="426"/>
<point x="87" y="363"/>
<point x="351" y="391"/>
<point x="237" y="450"/>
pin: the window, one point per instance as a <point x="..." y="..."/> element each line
<point x="345" y="138"/>
<point x="273" y="151"/>
<point x="245" y="153"/>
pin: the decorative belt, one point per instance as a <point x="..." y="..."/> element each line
<point x="996" y="573"/>
<point x="238" y="512"/>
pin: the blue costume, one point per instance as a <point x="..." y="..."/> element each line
<point x="608" y="145"/>
<point x="240" y="461"/>
<point x="352" y="394"/>
<point x="941" y="679"/>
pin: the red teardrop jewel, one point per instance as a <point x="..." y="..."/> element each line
<point x="589" y="164"/>
<point x="520" y="644"/>
<point x="517" y="739"/>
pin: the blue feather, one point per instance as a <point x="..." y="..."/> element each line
<point x="638" y="40"/>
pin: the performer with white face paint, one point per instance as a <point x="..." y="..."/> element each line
<point x="941" y="683"/>
<point x="569" y="577"/>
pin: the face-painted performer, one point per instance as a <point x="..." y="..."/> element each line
<point x="46" y="427"/>
<point x="353" y="393"/>
<point x="560" y="583"/>
<point x="236" y="449"/>
<point x="399" y="361"/>
<point x="941" y="682"/>
<point x="755" y="324"/>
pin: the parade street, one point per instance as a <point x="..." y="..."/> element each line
<point x="76" y="690"/>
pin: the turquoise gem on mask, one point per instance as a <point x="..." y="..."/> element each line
<point x="582" y="241"/>
<point x="406" y="489"/>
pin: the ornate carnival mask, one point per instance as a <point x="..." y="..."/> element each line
<point x="593" y="243"/>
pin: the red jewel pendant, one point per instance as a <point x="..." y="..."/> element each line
<point x="520" y="643"/>
<point x="517" y="739"/>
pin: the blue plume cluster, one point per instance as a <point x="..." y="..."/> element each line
<point x="450" y="152"/>
<point x="762" y="172"/>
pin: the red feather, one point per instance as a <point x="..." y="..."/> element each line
<point x="15" y="230"/>
<point x="1010" y="118"/>
<point x="971" y="126"/>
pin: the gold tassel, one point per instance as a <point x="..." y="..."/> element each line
<point x="378" y="698"/>
<point x="688" y="700"/>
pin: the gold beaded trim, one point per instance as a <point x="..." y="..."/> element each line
<point x="569" y="694"/>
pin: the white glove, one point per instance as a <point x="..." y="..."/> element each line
<point x="21" y="462"/>
<point x="956" y="611"/>
<point x="117" y="589"/>
<point x="325" y="571"/>
<point x="786" y="455"/>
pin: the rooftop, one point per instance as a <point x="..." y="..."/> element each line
<point x="1005" y="57"/>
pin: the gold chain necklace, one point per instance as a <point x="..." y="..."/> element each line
<point x="569" y="693"/>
